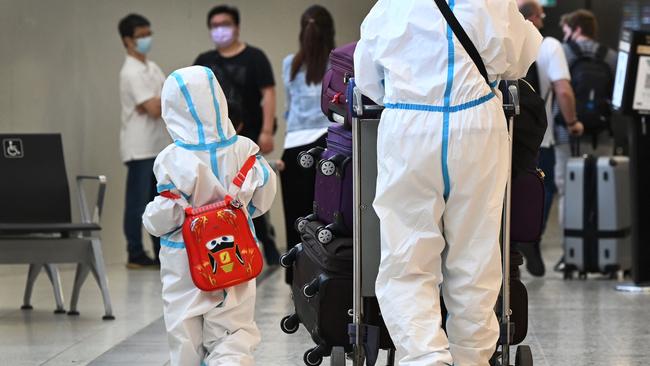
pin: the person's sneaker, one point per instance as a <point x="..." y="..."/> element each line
<point x="533" y="255"/>
<point x="142" y="261"/>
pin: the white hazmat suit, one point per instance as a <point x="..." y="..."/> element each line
<point x="442" y="167"/>
<point x="204" y="328"/>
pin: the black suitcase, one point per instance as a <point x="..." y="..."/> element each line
<point x="322" y="292"/>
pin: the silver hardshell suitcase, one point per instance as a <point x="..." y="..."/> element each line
<point x="597" y="216"/>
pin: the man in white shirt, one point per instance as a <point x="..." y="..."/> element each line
<point x="551" y="78"/>
<point x="143" y="134"/>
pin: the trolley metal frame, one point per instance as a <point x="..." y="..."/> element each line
<point x="358" y="329"/>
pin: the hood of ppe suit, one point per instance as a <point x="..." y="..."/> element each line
<point x="194" y="107"/>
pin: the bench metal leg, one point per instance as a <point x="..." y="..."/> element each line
<point x="391" y="357"/>
<point x="53" y="273"/>
<point x="32" y="274"/>
<point x="79" y="278"/>
<point x="99" y="271"/>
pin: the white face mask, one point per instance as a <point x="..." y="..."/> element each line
<point x="223" y="36"/>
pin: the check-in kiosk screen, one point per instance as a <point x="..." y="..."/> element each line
<point x="642" y="90"/>
<point x="619" y="84"/>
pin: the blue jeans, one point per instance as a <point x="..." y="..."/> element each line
<point x="547" y="165"/>
<point x="140" y="190"/>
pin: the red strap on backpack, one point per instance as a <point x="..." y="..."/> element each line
<point x="243" y="172"/>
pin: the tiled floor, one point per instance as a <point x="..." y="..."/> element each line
<point x="571" y="323"/>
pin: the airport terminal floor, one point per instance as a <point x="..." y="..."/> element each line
<point x="571" y="323"/>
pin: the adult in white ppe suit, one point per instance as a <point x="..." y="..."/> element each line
<point x="442" y="167"/>
<point x="204" y="328"/>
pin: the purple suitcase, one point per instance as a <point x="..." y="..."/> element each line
<point x="335" y="81"/>
<point x="333" y="190"/>
<point x="527" y="207"/>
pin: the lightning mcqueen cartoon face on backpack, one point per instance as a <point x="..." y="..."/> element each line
<point x="221" y="251"/>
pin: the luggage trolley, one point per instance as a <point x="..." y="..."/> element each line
<point x="364" y="335"/>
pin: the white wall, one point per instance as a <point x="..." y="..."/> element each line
<point x="59" y="64"/>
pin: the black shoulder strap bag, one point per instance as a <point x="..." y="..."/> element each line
<point x="530" y="124"/>
<point x="462" y="37"/>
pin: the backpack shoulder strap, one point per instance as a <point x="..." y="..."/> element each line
<point x="575" y="48"/>
<point x="577" y="52"/>
<point x="601" y="53"/>
<point x="243" y="172"/>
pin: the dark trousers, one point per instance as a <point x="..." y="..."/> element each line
<point x="297" y="192"/>
<point x="140" y="190"/>
<point x="266" y="235"/>
<point x="547" y="165"/>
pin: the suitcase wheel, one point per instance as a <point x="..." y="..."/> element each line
<point x="290" y="323"/>
<point x="311" y="289"/>
<point x="287" y="259"/>
<point x="324" y="235"/>
<point x="523" y="357"/>
<point x="301" y="224"/>
<point x="327" y="167"/>
<point x="306" y="159"/>
<point x="313" y="357"/>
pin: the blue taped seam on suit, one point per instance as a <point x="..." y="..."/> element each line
<point x="251" y="209"/>
<point x="439" y="108"/>
<point x="216" y="104"/>
<point x="165" y="242"/>
<point x="445" y="118"/>
<point x="206" y="147"/>
<point x="264" y="171"/>
<point x="190" y="106"/>
<point x="250" y="220"/>
<point x="165" y="187"/>
<point x="213" y="163"/>
<point x="170" y="186"/>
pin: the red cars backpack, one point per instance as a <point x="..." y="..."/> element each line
<point x="221" y="248"/>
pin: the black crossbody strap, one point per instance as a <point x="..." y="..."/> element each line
<point x="462" y="37"/>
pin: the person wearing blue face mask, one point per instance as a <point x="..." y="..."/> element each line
<point x="142" y="135"/>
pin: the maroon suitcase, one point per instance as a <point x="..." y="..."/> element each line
<point x="527" y="206"/>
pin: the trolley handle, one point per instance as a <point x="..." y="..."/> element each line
<point x="511" y="102"/>
<point x="358" y="108"/>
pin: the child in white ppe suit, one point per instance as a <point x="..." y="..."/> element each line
<point x="204" y="328"/>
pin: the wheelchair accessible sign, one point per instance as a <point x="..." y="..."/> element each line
<point x="12" y="148"/>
